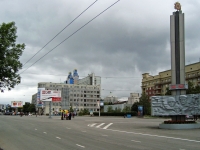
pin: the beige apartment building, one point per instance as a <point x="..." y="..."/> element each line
<point x="134" y="97"/>
<point x="156" y="85"/>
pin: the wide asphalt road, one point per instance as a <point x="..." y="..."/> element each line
<point x="92" y="133"/>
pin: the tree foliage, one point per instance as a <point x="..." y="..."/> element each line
<point x="110" y="109"/>
<point x="28" y="108"/>
<point x="10" y="53"/>
<point x="192" y="89"/>
<point x="126" y="109"/>
<point x="145" y="102"/>
<point x="168" y="92"/>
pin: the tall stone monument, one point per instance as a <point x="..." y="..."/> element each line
<point x="178" y="104"/>
<point x="177" y="40"/>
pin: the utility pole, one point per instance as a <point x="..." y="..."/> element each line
<point x="50" y="110"/>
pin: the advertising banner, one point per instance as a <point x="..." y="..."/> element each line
<point x="101" y="103"/>
<point x="46" y="94"/>
<point x="56" y="99"/>
<point x="140" y="111"/>
<point x="39" y="102"/>
<point x="16" y="104"/>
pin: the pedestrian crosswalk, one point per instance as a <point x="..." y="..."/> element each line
<point x="100" y="125"/>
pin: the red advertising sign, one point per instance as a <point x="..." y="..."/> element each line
<point x="178" y="86"/>
<point x="56" y="99"/>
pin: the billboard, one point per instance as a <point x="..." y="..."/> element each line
<point x="39" y="102"/>
<point x="140" y="110"/>
<point x="56" y="99"/>
<point x="16" y="104"/>
<point x="54" y="94"/>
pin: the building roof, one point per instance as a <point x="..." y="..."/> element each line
<point x="123" y="99"/>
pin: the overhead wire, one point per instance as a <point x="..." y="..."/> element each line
<point x="70" y="36"/>
<point x="59" y="32"/>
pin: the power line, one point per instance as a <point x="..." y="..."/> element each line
<point x="59" y="32"/>
<point x="70" y="35"/>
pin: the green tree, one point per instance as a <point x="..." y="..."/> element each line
<point x="110" y="109"/>
<point x="191" y="88"/>
<point x="135" y="106"/>
<point x="106" y="103"/>
<point x="126" y="109"/>
<point x="26" y="107"/>
<point x="145" y="102"/>
<point x="10" y="53"/>
<point x="168" y="92"/>
<point x="117" y="109"/>
<point x="31" y="108"/>
<point x="197" y="89"/>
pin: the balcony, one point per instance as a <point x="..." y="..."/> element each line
<point x="192" y="76"/>
<point x="157" y="88"/>
<point x="158" y="83"/>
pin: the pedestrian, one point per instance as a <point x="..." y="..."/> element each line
<point x="124" y="115"/>
<point x="70" y="115"/>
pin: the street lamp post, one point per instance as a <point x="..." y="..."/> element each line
<point x="50" y="110"/>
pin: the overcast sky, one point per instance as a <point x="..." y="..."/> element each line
<point x="130" y="38"/>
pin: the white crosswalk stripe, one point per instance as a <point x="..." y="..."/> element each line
<point x="108" y="126"/>
<point x="100" y="125"/>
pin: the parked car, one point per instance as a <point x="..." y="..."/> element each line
<point x="188" y="117"/>
<point x="1" y="113"/>
<point x="8" y="113"/>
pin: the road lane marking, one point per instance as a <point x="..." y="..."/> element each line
<point x="100" y="125"/>
<point x="58" y="137"/>
<point x="108" y="126"/>
<point x="104" y="135"/>
<point x="83" y="131"/>
<point x="92" y="124"/>
<point x="35" y="129"/>
<point x="136" y="141"/>
<point x="44" y="132"/>
<point x="152" y="135"/>
<point x="68" y="128"/>
<point x="80" y="146"/>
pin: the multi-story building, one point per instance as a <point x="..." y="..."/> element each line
<point x="134" y="97"/>
<point x="110" y="98"/>
<point x="34" y="99"/>
<point x="156" y="85"/>
<point x="83" y="95"/>
<point x="91" y="79"/>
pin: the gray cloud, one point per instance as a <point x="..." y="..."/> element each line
<point x="129" y="39"/>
